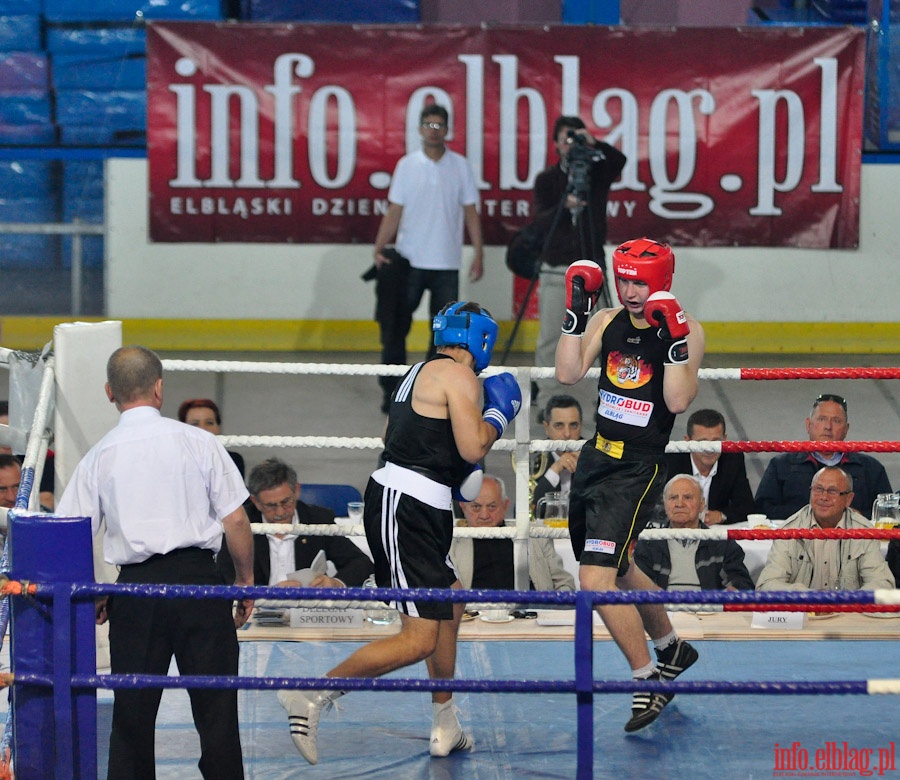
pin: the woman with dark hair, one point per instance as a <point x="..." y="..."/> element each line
<point x="204" y="413"/>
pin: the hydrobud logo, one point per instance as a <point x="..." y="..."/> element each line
<point x="835" y="759"/>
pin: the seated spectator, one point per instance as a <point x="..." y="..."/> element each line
<point x="784" y="487"/>
<point x="488" y="563"/>
<point x="48" y="477"/>
<point x="10" y="477"/>
<point x="275" y="498"/>
<point x="826" y="564"/>
<point x="723" y="476"/>
<point x="204" y="413"/>
<point x="562" y="420"/>
<point x="893" y="558"/>
<point x="691" y="564"/>
<point x="5" y="449"/>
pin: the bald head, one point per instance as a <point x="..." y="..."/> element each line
<point x="134" y="377"/>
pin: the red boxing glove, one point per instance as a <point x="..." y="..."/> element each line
<point x="584" y="278"/>
<point x="663" y="309"/>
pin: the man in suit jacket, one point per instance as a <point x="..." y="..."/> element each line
<point x="488" y="563"/>
<point x="562" y="420"/>
<point x="784" y="487"/>
<point x="275" y="497"/>
<point x="723" y="477"/>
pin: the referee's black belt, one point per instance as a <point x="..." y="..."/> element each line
<point x="182" y="553"/>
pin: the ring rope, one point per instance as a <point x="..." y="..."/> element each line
<point x="549" y="445"/>
<point x="232" y="682"/>
<point x="721" y="533"/>
<point x="330" y="529"/>
<point x="535" y="372"/>
<point x="785" y="687"/>
<point x="88" y="590"/>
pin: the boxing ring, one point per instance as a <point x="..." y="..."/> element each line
<point x="61" y="704"/>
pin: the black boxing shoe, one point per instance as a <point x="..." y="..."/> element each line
<point x="673" y="659"/>
<point x="646" y="707"/>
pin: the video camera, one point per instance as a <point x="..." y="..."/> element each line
<point x="581" y="157"/>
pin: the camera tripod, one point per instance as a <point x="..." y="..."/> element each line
<point x="582" y="225"/>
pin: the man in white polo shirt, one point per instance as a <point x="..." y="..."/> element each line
<point x="432" y="195"/>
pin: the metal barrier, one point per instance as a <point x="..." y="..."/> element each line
<point x="76" y="229"/>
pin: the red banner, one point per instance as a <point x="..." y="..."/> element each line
<point x="290" y="133"/>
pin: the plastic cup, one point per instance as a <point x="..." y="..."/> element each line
<point x="382" y="617"/>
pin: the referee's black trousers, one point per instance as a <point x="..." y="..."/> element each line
<point x="144" y="634"/>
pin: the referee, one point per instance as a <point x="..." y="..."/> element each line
<point x="167" y="491"/>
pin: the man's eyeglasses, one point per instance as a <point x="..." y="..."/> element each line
<point x="831" y="492"/>
<point x="273" y="506"/>
<point x="836" y="399"/>
<point x="434" y="125"/>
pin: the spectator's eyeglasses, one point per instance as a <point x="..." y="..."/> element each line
<point x="274" y="506"/>
<point x="434" y="125"/>
<point x="831" y="492"/>
<point x="836" y="399"/>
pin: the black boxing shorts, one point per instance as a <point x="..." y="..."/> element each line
<point x="611" y="502"/>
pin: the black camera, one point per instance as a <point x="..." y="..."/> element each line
<point x="581" y="157"/>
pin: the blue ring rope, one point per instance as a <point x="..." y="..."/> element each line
<point x="135" y="681"/>
<point x="80" y="591"/>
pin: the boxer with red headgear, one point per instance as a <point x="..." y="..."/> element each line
<point x="650" y="352"/>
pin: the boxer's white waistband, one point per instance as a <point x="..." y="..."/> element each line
<point x="414" y="484"/>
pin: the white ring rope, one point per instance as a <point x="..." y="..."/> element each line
<point x="343" y="442"/>
<point x="379" y="369"/>
<point x="375" y="443"/>
<point x="883" y="686"/>
<point x="717" y="532"/>
<point x="330" y="529"/>
<point x="313" y="369"/>
<point x="885" y="596"/>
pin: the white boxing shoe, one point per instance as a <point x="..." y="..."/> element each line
<point x="304" y="709"/>
<point x="447" y="735"/>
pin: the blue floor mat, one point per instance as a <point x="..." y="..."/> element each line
<point x="384" y="735"/>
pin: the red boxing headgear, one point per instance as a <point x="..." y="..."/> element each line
<point x="645" y="260"/>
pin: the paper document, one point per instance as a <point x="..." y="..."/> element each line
<point x="318" y="566"/>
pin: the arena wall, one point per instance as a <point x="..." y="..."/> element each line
<point x="311" y="298"/>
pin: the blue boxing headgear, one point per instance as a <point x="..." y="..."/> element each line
<point x="474" y="331"/>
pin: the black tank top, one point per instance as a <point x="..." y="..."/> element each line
<point x="423" y="444"/>
<point x="630" y="405"/>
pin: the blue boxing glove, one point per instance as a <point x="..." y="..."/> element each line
<point x="502" y="401"/>
<point x="470" y="487"/>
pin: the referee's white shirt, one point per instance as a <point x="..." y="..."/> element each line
<point x="161" y="485"/>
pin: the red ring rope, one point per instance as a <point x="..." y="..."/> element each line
<point x="821" y="373"/>
<point x="810" y="446"/>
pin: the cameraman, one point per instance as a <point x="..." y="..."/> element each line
<point x="570" y="205"/>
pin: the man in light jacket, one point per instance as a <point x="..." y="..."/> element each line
<point x="826" y="564"/>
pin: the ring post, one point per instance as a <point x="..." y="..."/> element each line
<point x="584" y="683"/>
<point x="54" y="729"/>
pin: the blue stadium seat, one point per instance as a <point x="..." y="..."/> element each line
<point x="335" y="497"/>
